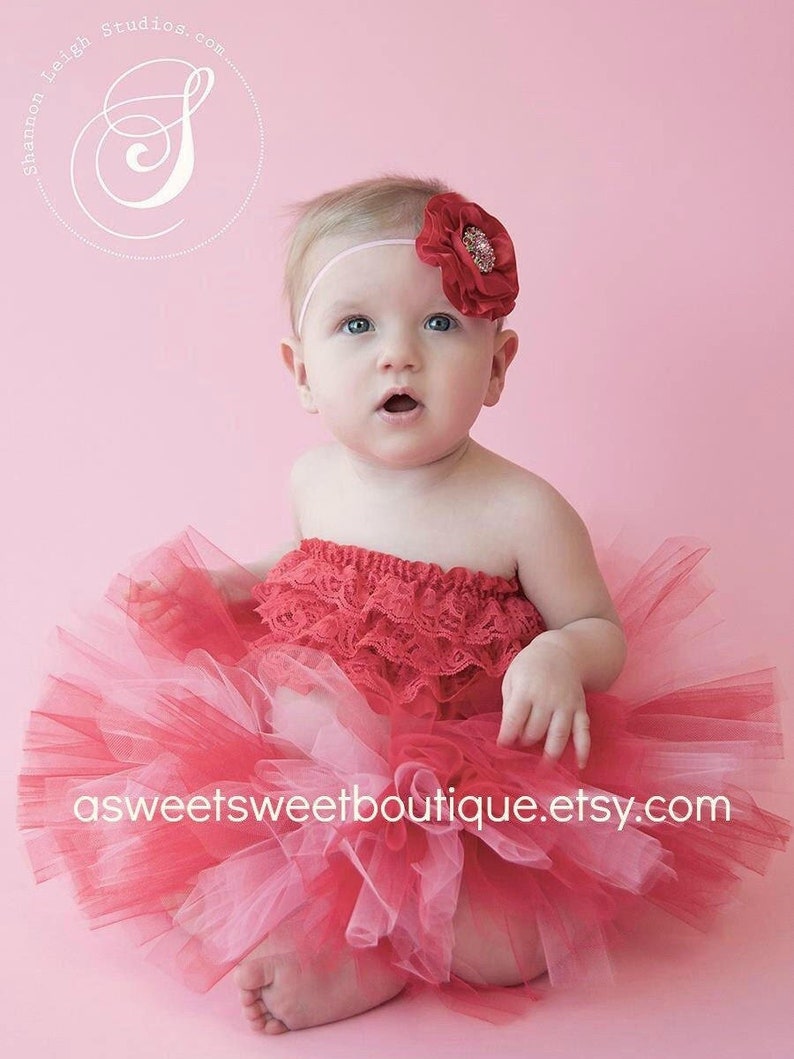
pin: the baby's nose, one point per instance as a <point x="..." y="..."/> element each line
<point x="399" y="353"/>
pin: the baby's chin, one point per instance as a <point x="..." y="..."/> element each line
<point x="405" y="456"/>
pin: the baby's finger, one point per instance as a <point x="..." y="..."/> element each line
<point x="559" y="733"/>
<point x="536" y="725"/>
<point x="514" y="715"/>
<point x="135" y="590"/>
<point x="581" y="737"/>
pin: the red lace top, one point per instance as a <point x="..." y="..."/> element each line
<point x="405" y="631"/>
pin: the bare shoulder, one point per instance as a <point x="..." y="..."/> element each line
<point x="535" y="501"/>
<point x="260" y="568"/>
<point x="302" y="474"/>
<point x="306" y="468"/>
<point x="309" y="463"/>
<point x="518" y="493"/>
<point x="555" y="561"/>
<point x="311" y="474"/>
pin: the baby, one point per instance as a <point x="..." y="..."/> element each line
<point x="398" y="289"/>
<point x="438" y="634"/>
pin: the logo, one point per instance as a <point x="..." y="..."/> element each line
<point x="144" y="139"/>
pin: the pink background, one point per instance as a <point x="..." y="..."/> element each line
<point x="641" y="156"/>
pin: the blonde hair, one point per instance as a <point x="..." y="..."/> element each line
<point x="390" y="204"/>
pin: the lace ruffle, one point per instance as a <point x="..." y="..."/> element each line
<point x="429" y="629"/>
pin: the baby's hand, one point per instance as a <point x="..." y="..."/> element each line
<point x="541" y="691"/>
<point x="151" y="606"/>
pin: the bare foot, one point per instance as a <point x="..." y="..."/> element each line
<point x="278" y="994"/>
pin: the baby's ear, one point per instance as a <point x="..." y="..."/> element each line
<point x="288" y="346"/>
<point x="507" y="343"/>
<point x="291" y="354"/>
<point x="505" y="349"/>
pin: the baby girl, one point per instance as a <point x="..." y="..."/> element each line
<point x="439" y="630"/>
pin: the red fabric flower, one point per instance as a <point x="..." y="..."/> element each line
<point x="475" y="255"/>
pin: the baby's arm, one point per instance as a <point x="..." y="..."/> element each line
<point x="155" y="603"/>
<point x="230" y="579"/>
<point x="262" y="567"/>
<point x="583" y="649"/>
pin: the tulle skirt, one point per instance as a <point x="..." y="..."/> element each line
<point x="200" y="785"/>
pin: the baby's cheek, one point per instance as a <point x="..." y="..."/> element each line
<point x="467" y="399"/>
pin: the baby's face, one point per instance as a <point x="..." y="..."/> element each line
<point x="379" y="320"/>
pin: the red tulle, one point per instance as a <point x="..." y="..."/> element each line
<point x="351" y="669"/>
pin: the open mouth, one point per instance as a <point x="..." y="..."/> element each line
<point x="400" y="402"/>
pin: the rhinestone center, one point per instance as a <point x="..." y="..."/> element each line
<point x="479" y="246"/>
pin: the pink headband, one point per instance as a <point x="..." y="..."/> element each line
<point x="472" y="249"/>
<point x="334" y="259"/>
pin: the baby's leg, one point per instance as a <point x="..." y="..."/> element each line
<point x="494" y="946"/>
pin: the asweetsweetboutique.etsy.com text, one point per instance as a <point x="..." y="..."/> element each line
<point x="442" y="807"/>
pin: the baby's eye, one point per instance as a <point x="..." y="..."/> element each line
<point x="447" y="323"/>
<point x="354" y="321"/>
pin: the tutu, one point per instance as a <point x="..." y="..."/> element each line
<point x="213" y="762"/>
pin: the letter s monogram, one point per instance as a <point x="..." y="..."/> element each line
<point x="136" y="154"/>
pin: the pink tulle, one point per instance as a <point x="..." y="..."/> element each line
<point x="350" y="667"/>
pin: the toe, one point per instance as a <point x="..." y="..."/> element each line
<point x="250" y="996"/>
<point x="255" y="1012"/>
<point x="257" y="1015"/>
<point x="259" y="1026"/>
<point x="274" y="1025"/>
<point x="254" y="975"/>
